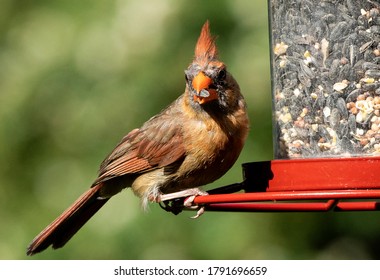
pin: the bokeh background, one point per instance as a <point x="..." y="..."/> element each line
<point x="75" y="76"/>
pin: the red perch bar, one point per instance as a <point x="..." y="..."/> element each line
<point x="333" y="184"/>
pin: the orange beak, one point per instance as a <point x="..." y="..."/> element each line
<point x="201" y="85"/>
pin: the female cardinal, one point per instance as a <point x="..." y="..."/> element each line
<point x="191" y="143"/>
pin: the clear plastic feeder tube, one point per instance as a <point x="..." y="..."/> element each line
<point x="325" y="59"/>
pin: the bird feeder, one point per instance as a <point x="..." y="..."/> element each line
<point x="325" y="67"/>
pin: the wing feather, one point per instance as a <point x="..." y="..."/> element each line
<point x="158" y="143"/>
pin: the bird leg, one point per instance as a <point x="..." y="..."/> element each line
<point x="189" y="192"/>
<point x="189" y="196"/>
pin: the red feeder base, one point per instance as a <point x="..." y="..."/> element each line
<point x="339" y="184"/>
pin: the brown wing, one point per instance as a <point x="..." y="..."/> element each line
<point x="157" y="144"/>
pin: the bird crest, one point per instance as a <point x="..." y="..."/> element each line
<point x="205" y="50"/>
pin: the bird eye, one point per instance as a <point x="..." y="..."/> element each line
<point x="222" y="74"/>
<point x="188" y="75"/>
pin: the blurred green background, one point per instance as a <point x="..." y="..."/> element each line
<point x="75" y="76"/>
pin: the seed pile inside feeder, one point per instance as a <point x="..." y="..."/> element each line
<point x="326" y="77"/>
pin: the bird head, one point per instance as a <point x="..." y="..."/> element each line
<point x="207" y="79"/>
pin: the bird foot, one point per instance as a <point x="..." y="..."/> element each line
<point x="189" y="204"/>
<point x="189" y="196"/>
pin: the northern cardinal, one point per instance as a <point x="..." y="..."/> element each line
<point x="193" y="142"/>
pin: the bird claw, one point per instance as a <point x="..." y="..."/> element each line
<point x="189" y="196"/>
<point x="199" y="213"/>
<point x="189" y="204"/>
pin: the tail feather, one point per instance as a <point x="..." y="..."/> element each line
<point x="60" y="231"/>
